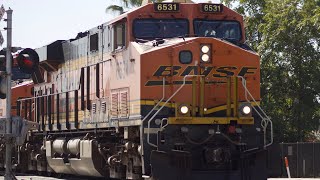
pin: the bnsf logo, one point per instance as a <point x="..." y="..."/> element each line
<point x="223" y="71"/>
<point x="217" y="72"/>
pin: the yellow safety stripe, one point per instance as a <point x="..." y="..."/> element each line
<point x="210" y="120"/>
<point x="224" y="107"/>
<point x="208" y="111"/>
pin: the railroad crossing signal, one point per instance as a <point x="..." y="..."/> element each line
<point x="28" y="61"/>
<point x="8" y="123"/>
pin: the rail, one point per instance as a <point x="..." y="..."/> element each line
<point x="265" y="120"/>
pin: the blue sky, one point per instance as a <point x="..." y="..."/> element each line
<point x="39" y="22"/>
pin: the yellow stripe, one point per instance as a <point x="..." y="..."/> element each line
<point x="81" y="114"/>
<point x="210" y="120"/>
<point x="209" y="111"/>
<point x="152" y="103"/>
<point x="224" y="107"/>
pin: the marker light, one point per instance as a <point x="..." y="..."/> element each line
<point x="184" y="109"/>
<point x="205" y="58"/>
<point x="205" y="49"/>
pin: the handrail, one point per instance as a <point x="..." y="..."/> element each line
<point x="265" y="120"/>
<point x="46" y="95"/>
<point x="155" y="114"/>
<point x="163" y="95"/>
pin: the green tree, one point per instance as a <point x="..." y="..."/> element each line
<point x="286" y="35"/>
<point x="290" y="54"/>
<point x="253" y="13"/>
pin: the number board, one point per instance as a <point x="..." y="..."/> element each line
<point x="166" y="7"/>
<point x="212" y="8"/>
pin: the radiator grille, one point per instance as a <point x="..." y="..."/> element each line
<point x="124" y="104"/>
<point x="114" y="104"/>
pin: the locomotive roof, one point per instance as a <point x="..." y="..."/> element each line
<point x="135" y="13"/>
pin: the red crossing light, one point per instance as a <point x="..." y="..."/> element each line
<point x="28" y="61"/>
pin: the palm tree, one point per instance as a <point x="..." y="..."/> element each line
<point x="115" y="8"/>
<point x="126" y="4"/>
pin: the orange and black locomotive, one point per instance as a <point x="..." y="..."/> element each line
<point x="165" y="91"/>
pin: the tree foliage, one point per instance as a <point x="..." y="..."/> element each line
<point x="286" y="34"/>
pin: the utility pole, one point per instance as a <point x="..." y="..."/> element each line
<point x="9" y="138"/>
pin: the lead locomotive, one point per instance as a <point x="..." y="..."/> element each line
<point x="165" y="91"/>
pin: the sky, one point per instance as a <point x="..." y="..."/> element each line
<point x="39" y="22"/>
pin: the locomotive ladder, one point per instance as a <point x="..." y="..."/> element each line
<point x="265" y="120"/>
<point x="155" y="114"/>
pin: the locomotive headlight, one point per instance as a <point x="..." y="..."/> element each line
<point x="184" y="109"/>
<point x="245" y="109"/>
<point x="205" y="57"/>
<point x="205" y="49"/>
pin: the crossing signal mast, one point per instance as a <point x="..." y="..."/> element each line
<point x="28" y="62"/>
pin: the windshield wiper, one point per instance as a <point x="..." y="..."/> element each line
<point x="157" y="41"/>
<point x="232" y="40"/>
<point x="139" y="40"/>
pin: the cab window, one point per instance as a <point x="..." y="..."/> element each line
<point x="160" y="28"/>
<point x="119" y="36"/>
<point x="230" y="30"/>
<point x="94" y="42"/>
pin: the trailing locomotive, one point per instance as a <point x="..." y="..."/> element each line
<point x="165" y="91"/>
